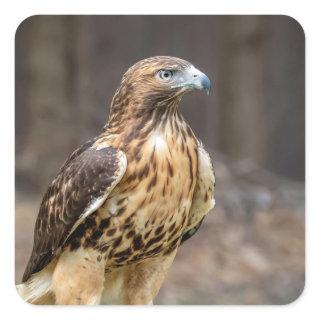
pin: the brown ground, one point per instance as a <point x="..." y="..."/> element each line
<point x="249" y="250"/>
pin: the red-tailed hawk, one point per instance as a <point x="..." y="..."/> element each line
<point x="112" y="219"/>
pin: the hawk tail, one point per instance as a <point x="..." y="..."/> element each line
<point x="37" y="290"/>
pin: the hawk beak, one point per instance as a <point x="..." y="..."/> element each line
<point x="194" y="79"/>
<point x="202" y="82"/>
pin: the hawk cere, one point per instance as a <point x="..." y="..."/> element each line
<point x="111" y="221"/>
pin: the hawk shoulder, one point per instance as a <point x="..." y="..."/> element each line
<point x="81" y="186"/>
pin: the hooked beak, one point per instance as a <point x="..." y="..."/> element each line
<point x="193" y="78"/>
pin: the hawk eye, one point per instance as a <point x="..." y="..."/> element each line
<point x="165" y="75"/>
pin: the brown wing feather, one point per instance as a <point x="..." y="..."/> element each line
<point x="203" y="197"/>
<point x="86" y="178"/>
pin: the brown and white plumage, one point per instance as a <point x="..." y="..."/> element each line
<point x="111" y="221"/>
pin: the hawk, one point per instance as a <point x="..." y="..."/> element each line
<point x="112" y="219"/>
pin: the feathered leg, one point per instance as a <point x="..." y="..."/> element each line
<point x="78" y="278"/>
<point x="138" y="283"/>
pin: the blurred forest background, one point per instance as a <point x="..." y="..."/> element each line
<point x="250" y="249"/>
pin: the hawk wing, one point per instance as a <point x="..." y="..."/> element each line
<point x="79" y="189"/>
<point x="203" y="197"/>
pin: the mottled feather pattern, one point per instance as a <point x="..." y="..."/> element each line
<point x="84" y="178"/>
<point x="134" y="223"/>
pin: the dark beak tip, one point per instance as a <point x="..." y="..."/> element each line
<point x="206" y="84"/>
<point x="207" y="88"/>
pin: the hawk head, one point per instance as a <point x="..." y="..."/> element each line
<point x="166" y="75"/>
<point x="157" y="82"/>
<point x="169" y="75"/>
<point x="151" y="88"/>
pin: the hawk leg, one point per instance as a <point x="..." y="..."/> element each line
<point x="138" y="283"/>
<point x="78" y="278"/>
